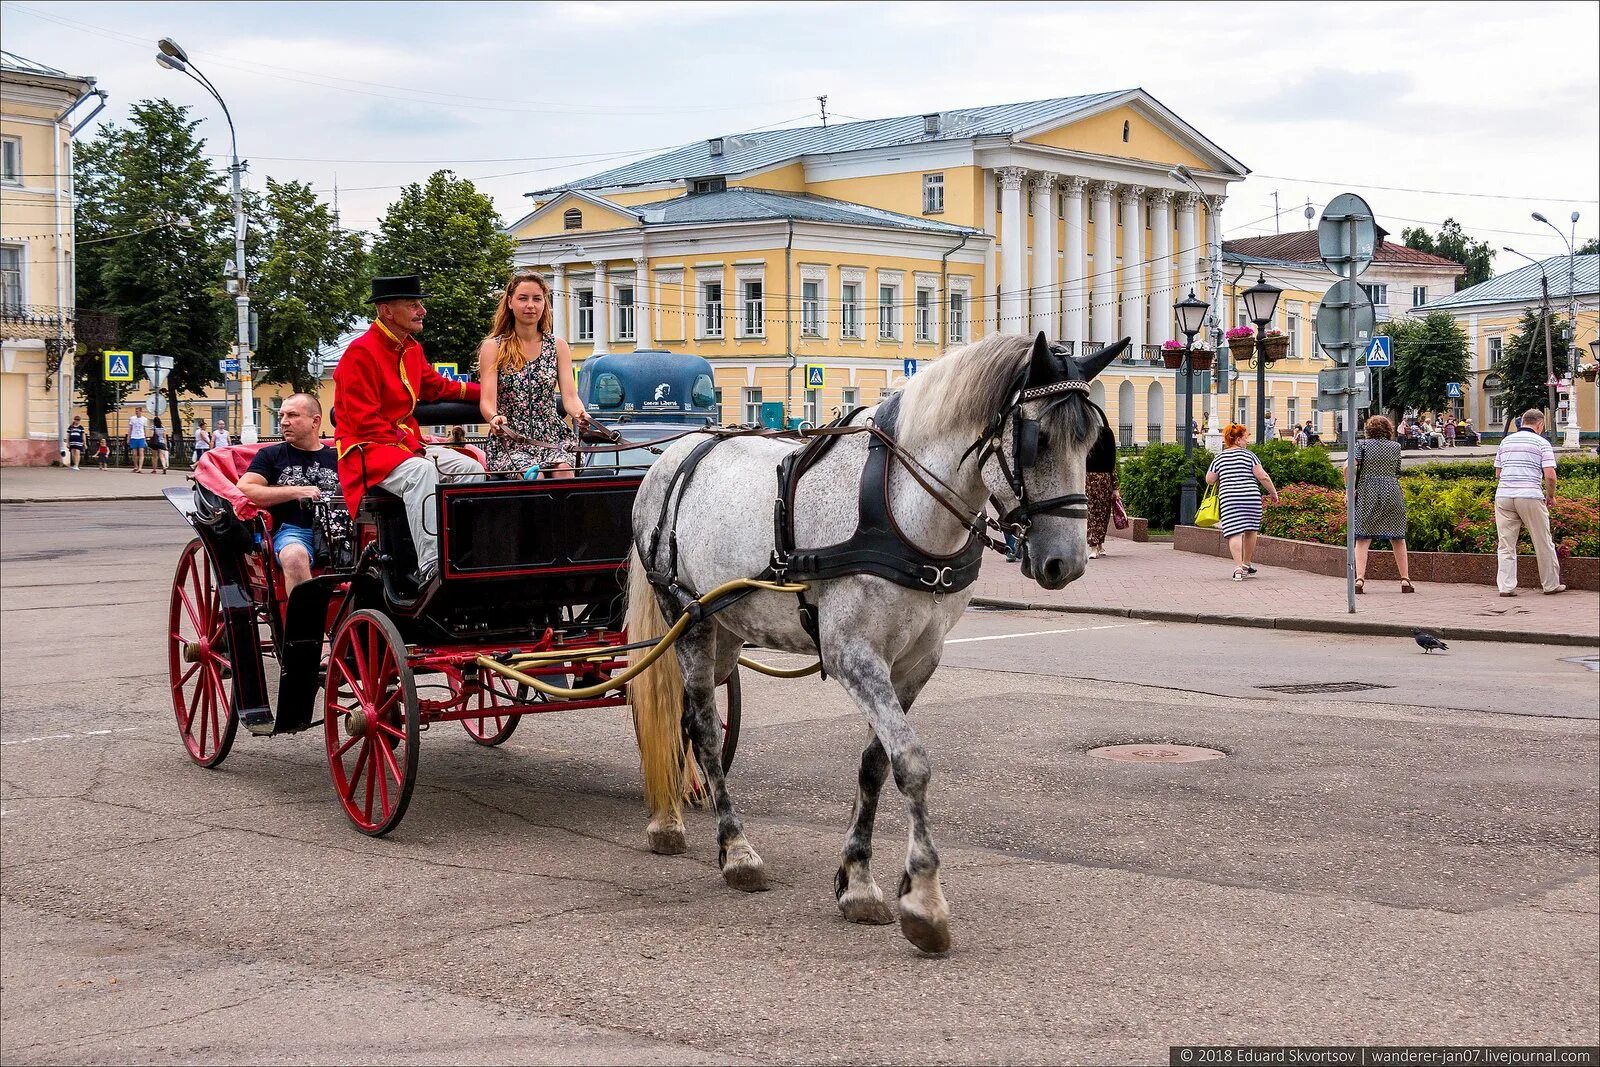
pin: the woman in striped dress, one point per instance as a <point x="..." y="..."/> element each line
<point x="1240" y="478"/>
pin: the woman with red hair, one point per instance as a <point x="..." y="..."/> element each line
<point x="1240" y="479"/>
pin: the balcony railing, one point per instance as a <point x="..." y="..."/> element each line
<point x="18" y="321"/>
<point x="1150" y="353"/>
<point x="1152" y="432"/>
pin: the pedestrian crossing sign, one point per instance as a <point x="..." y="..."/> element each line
<point x="816" y="375"/>
<point x="1379" y="352"/>
<point x="119" y="366"/>
<point x="1453" y="389"/>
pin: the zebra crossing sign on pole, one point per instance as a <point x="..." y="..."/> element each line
<point x="1379" y="352"/>
<point x="816" y="375"/>
<point x="119" y="366"/>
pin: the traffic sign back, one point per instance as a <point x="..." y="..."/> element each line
<point x="1379" y="352"/>
<point x="1342" y="295"/>
<point x="1340" y="246"/>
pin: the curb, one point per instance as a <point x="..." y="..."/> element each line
<point x="72" y="499"/>
<point x="1327" y="626"/>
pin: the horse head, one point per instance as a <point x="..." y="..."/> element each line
<point x="1038" y="467"/>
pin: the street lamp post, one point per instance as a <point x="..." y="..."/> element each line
<point x="1191" y="317"/>
<point x="173" y="57"/>
<point x="1572" y="306"/>
<point x="1261" y="303"/>
<point x="1594" y="354"/>
<point x="1549" y="352"/>
<point x="1213" y="280"/>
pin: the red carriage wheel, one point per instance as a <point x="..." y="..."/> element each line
<point x="198" y="662"/>
<point x="371" y="720"/>
<point x="496" y="701"/>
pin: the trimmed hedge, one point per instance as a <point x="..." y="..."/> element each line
<point x="1566" y="467"/>
<point x="1152" y="482"/>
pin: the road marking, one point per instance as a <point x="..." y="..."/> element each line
<point x="1042" y="633"/>
<point x="72" y="737"/>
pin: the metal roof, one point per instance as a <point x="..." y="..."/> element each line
<point x="1301" y="246"/>
<point x="1522" y="286"/>
<point x="748" y="205"/>
<point x="18" y="64"/>
<point x="746" y="152"/>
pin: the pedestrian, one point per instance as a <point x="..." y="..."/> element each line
<point x="202" y="441"/>
<point x="137" y="442"/>
<point x="1450" y="432"/>
<point x="158" y="446"/>
<point x="1239" y="478"/>
<point x="1101" y="489"/>
<point x="1525" y="470"/>
<point x="1271" y="428"/>
<point x="77" y="443"/>
<point x="219" y="435"/>
<point x="102" y="454"/>
<point x="1380" y="503"/>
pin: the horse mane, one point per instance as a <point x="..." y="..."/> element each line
<point x="963" y="391"/>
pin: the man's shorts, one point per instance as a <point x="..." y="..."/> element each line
<point x="135" y="442"/>
<point x="287" y="535"/>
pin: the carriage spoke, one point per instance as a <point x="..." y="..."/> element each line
<point x="383" y="778"/>
<point x="183" y="679"/>
<point x="359" y="655"/>
<point x="390" y="729"/>
<point x="372" y="772"/>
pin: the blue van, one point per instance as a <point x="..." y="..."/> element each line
<point x="649" y="386"/>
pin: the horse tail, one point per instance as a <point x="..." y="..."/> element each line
<point x="657" y="698"/>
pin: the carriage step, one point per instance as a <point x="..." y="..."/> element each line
<point x="257" y="720"/>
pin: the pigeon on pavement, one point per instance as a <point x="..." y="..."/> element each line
<point x="1428" y="641"/>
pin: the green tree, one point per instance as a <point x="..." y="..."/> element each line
<point x="162" y="220"/>
<point x="448" y="233"/>
<point x="1429" y="354"/>
<point x="1521" y="365"/>
<point x="1591" y="247"/>
<point x="1453" y="243"/>
<point x="306" y="286"/>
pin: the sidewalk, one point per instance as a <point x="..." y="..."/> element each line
<point x="26" y="485"/>
<point x="1155" y="581"/>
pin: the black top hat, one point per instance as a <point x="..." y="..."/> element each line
<point x="401" y="287"/>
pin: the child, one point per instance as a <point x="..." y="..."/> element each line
<point x="102" y="455"/>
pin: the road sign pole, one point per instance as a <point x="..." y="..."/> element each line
<point x="1350" y="430"/>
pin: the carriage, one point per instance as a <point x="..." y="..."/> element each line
<point x="525" y="617"/>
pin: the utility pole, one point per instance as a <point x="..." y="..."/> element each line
<point x="823" y="100"/>
<point x="1275" y="212"/>
<point x="1549" y="361"/>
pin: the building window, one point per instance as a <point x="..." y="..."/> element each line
<point x="932" y="194"/>
<point x="811" y="309"/>
<point x="1243" y="414"/>
<point x="11" y="278"/>
<point x="958" y="318"/>
<point x="924" y="314"/>
<point x="1496" y="346"/>
<point x="752" y="406"/>
<point x="1316" y="420"/>
<point x="586" y="314"/>
<point x="1294" y="412"/>
<point x="1293" y="330"/>
<point x="708" y="185"/>
<point x="11" y="160"/>
<point x="752" y="311"/>
<point x="1419" y="295"/>
<point x="850" y="310"/>
<point x="1378" y="294"/>
<point x="888" y="320"/>
<point x="711" y="309"/>
<point x="811" y="406"/>
<point x="624" y="312"/>
<point x="572" y="220"/>
<point x="850" y="398"/>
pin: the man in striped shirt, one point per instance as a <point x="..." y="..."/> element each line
<point x="1525" y="466"/>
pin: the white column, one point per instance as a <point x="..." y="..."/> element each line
<point x="643" y="307"/>
<point x="1188" y="249"/>
<point x="1013" y="241"/>
<point x="602" y="306"/>
<point x="1103" y="281"/>
<point x="1044" y="297"/>
<point x="1133" y="266"/>
<point x="1075" y="284"/>
<point x="559" y="299"/>
<point x="1162" y="295"/>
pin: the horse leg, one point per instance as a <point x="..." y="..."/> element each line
<point x="741" y="867"/>
<point x="924" y="915"/>
<point x="854" y="888"/>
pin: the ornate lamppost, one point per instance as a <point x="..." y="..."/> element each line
<point x="1191" y="318"/>
<point x="1261" y="303"/>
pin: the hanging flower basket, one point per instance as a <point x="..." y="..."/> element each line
<point x="1590" y="372"/>
<point x="1242" y="348"/>
<point x="1274" y="346"/>
<point x="1172" y="358"/>
<point x="1202" y="358"/>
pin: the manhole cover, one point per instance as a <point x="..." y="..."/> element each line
<point x="1325" y="687"/>
<point x="1156" y="753"/>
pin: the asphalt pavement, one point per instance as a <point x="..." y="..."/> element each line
<point x="1404" y="865"/>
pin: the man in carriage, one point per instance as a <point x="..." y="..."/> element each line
<point x="377" y="385"/>
<point x="283" y="478"/>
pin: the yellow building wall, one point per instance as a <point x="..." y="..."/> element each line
<point x="645" y="196"/>
<point x="902" y="192"/>
<point x="595" y="218"/>
<point x="790" y="178"/>
<point x="1102" y="134"/>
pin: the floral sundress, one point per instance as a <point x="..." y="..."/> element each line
<point x="527" y="398"/>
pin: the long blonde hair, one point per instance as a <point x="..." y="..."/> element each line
<point x="509" y="355"/>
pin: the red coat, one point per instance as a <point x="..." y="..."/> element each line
<point x="376" y="387"/>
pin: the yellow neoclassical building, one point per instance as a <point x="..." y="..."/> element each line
<point x="40" y="110"/>
<point x="867" y="248"/>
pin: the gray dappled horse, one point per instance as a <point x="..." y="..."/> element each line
<point x="1004" y="420"/>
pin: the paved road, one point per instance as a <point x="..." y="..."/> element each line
<point x="1405" y="865"/>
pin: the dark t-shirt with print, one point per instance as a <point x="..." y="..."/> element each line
<point x="284" y="464"/>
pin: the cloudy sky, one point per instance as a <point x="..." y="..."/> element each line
<point x="1480" y="112"/>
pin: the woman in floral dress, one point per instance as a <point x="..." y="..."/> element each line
<point x="521" y="366"/>
<point x="1101" y="489"/>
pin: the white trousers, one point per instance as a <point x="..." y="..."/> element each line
<point x="1511" y="514"/>
<point x="415" y="481"/>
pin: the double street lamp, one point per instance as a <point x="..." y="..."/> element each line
<point x="173" y="57"/>
<point x="1191" y="318"/>
<point x="1261" y="303"/>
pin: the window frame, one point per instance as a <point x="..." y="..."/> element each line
<point x="572" y="219"/>
<point x="750" y="400"/>
<point x="1377" y="292"/>
<point x="1292" y="329"/>
<point x="624" y="310"/>
<point x="957" y="308"/>
<point x="813" y="405"/>
<point x="1495" y="348"/>
<point x="753" y="309"/>
<point x="1416" y="291"/>
<point x="11" y="146"/>
<point x="851" y="326"/>
<point x="925" y="326"/>
<point x="21" y="272"/>
<point x="710" y="313"/>
<point x="811" y="308"/>
<point x="888" y="304"/>
<point x="583" y="313"/>
<point x="933" y="193"/>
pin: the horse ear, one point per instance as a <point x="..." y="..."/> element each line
<point x="1095" y="362"/>
<point x="1042" y="367"/>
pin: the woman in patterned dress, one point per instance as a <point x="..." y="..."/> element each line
<point x="1380" y="503"/>
<point x="521" y="365"/>
<point x="1239" y="478"/>
<point x="1102" y="487"/>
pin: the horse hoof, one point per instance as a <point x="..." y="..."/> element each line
<point x="932" y="938"/>
<point x="668" y="842"/>
<point x="865" y="909"/>
<point x="746" y="878"/>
